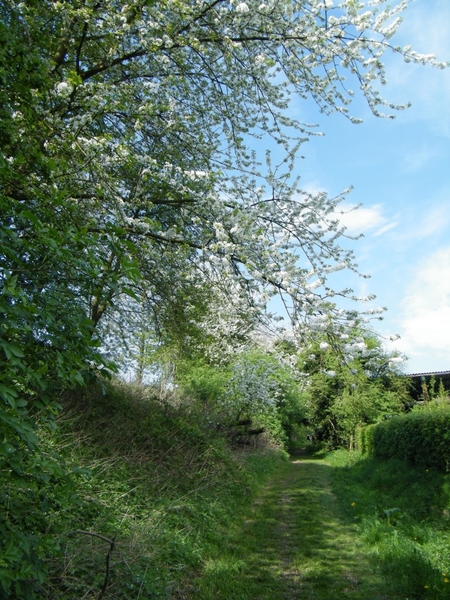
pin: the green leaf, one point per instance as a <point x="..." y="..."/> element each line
<point x="129" y="292"/>
<point x="12" y="350"/>
<point x="6" y="449"/>
<point x="8" y="394"/>
<point x="31" y="217"/>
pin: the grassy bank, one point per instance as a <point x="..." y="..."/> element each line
<point x="156" y="491"/>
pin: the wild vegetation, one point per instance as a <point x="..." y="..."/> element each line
<point x="340" y="397"/>
<point x="148" y="498"/>
<point x="402" y="514"/>
<point x="153" y="486"/>
<point x="141" y="483"/>
<point x="142" y="235"/>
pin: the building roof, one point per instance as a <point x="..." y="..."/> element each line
<point x="428" y="374"/>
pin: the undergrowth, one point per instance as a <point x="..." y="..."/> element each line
<point x="403" y="514"/>
<point x="152" y="492"/>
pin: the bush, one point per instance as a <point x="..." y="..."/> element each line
<point x="256" y="388"/>
<point x="421" y="438"/>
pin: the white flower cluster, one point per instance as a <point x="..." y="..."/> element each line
<point x="156" y="142"/>
<point x="242" y="7"/>
<point x="252" y="388"/>
<point x="63" y="89"/>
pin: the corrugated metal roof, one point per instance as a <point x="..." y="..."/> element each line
<point x="428" y="374"/>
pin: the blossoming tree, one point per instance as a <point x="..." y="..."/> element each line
<point x="127" y="162"/>
<point x="344" y="390"/>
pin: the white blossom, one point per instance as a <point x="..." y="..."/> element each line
<point x="242" y="7"/>
<point x="396" y="360"/>
<point x="64" y="89"/>
<point x="166" y="134"/>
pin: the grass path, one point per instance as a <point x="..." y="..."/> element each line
<point x="296" y="543"/>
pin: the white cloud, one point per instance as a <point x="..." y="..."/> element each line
<point x="419" y="225"/>
<point x="430" y="224"/>
<point x="387" y="227"/>
<point x="435" y="222"/>
<point x="425" y="327"/>
<point x="362" y="219"/>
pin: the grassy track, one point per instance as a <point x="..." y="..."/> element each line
<point x="295" y="543"/>
<point x="194" y="520"/>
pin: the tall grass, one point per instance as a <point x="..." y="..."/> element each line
<point x="154" y="494"/>
<point x="403" y="515"/>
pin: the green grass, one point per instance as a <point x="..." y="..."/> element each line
<point x="192" y="519"/>
<point x="157" y="482"/>
<point x="338" y="526"/>
<point x="294" y="543"/>
<point x="403" y="520"/>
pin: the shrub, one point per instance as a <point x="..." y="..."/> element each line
<point x="422" y="438"/>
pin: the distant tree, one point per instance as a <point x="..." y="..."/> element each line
<point x="350" y="385"/>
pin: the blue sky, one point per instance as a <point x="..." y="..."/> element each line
<point x="400" y="170"/>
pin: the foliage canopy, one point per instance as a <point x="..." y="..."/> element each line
<point x="127" y="161"/>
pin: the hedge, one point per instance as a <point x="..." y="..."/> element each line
<point x="422" y="438"/>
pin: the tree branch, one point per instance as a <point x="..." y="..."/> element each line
<point x="108" y="557"/>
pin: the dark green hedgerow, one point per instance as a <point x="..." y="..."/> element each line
<point x="421" y="438"/>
